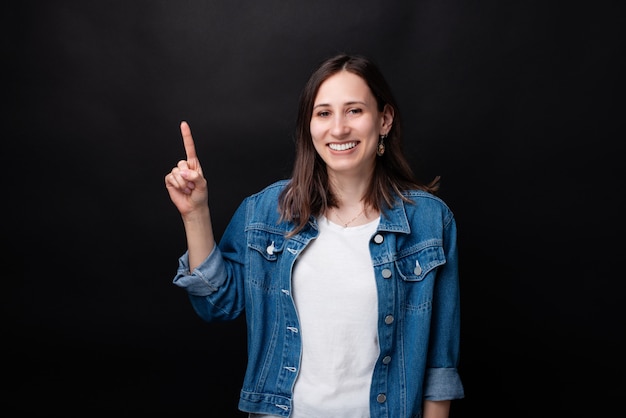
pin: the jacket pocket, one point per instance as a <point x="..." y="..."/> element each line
<point x="418" y="270"/>
<point x="268" y="245"/>
<point x="415" y="266"/>
<point x="264" y="250"/>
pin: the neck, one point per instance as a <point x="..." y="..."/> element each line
<point x="351" y="210"/>
<point x="349" y="191"/>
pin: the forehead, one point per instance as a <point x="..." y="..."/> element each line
<point x="343" y="86"/>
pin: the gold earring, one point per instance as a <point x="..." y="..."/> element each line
<point x="381" y="145"/>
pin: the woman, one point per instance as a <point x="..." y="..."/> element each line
<point x="347" y="272"/>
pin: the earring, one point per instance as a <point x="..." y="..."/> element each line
<point x="381" y="145"/>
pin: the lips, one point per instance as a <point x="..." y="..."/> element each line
<point x="343" y="146"/>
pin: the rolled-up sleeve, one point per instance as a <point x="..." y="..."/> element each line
<point x="442" y="384"/>
<point x="206" y="278"/>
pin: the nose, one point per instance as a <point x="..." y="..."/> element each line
<point x="340" y="126"/>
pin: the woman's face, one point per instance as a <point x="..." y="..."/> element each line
<point x="346" y="124"/>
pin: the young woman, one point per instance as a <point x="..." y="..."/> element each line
<point x="346" y="272"/>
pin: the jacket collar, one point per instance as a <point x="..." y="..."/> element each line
<point x="395" y="219"/>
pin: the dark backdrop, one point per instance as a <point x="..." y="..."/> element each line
<point x="516" y="104"/>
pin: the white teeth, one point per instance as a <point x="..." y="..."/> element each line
<point x="342" y="147"/>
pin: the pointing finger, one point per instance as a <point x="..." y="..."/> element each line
<point x="190" y="147"/>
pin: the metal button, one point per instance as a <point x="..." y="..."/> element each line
<point x="418" y="269"/>
<point x="378" y="239"/>
<point x="388" y="319"/>
<point x="381" y="398"/>
<point x="386" y="273"/>
<point x="387" y="360"/>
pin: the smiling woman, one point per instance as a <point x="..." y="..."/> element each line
<point x="347" y="129"/>
<point x="347" y="271"/>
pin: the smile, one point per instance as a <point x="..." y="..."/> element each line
<point x="342" y="147"/>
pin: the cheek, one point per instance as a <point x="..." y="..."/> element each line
<point x="367" y="125"/>
<point x="315" y="130"/>
<point x="319" y="146"/>
<point x="317" y="135"/>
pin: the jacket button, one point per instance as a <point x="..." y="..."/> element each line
<point x="378" y="239"/>
<point x="388" y="319"/>
<point x="386" y="273"/>
<point x="418" y="268"/>
<point x="381" y="398"/>
<point x="387" y="360"/>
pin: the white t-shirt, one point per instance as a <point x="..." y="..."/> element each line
<point x="335" y="294"/>
<point x="334" y="289"/>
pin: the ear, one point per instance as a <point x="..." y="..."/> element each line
<point x="386" y="119"/>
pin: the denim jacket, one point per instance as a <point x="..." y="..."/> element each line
<point x="414" y="255"/>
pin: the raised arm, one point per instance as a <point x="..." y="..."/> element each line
<point x="188" y="191"/>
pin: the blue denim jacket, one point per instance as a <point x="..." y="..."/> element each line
<point x="414" y="256"/>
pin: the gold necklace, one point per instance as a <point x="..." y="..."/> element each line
<point x="345" y="224"/>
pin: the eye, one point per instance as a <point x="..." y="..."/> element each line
<point x="355" y="111"/>
<point x="323" y="113"/>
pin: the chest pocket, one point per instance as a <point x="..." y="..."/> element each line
<point x="265" y="249"/>
<point x="268" y="245"/>
<point x="417" y="271"/>
<point x="415" y="267"/>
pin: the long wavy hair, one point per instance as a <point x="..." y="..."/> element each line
<point x="308" y="192"/>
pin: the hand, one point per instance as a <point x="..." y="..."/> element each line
<point x="185" y="184"/>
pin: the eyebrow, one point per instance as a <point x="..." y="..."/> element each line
<point x="345" y="104"/>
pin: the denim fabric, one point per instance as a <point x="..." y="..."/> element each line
<point x="414" y="255"/>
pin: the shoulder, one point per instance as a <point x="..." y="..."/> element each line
<point x="425" y="204"/>
<point x="262" y="206"/>
<point x="425" y="198"/>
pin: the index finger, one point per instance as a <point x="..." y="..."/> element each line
<point x="190" y="147"/>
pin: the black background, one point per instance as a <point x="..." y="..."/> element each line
<point x="518" y="105"/>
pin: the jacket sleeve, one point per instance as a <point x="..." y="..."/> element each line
<point x="442" y="380"/>
<point x="216" y="286"/>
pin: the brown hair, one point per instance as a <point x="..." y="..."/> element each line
<point x="308" y="192"/>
